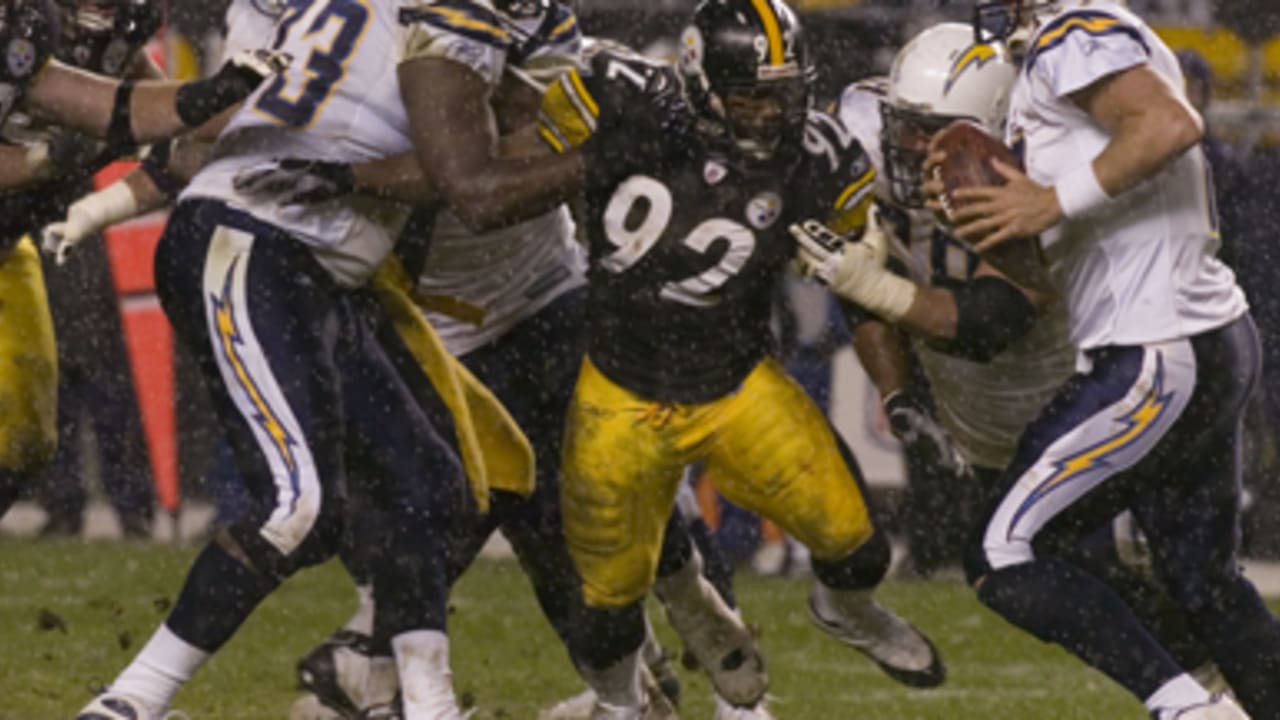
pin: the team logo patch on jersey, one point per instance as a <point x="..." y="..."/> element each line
<point x="20" y="57"/>
<point x="713" y="172"/>
<point x="764" y="209"/>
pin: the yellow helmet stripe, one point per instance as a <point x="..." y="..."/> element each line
<point x="772" y="31"/>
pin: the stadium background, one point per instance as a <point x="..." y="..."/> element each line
<point x="59" y="645"/>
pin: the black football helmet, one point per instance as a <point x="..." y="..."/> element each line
<point x="104" y="35"/>
<point x="748" y="74"/>
<point x="29" y="35"/>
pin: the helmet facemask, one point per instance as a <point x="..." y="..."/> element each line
<point x="750" y="97"/>
<point x="904" y="140"/>
<point x="762" y="117"/>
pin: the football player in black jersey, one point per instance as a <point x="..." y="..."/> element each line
<point x="688" y="236"/>
<point x="36" y="74"/>
<point x="678" y="369"/>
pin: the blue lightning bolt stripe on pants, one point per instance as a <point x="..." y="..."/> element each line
<point x="1156" y="430"/>
<point x="1114" y="417"/>
<point x="264" y="322"/>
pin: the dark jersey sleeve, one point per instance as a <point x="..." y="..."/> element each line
<point x="839" y="177"/>
<point x="28" y="32"/>
<point x="610" y="79"/>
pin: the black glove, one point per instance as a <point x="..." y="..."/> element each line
<point x="292" y="181"/>
<point x="921" y="435"/>
<point x="239" y="76"/>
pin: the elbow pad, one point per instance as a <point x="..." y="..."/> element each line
<point x="992" y="314"/>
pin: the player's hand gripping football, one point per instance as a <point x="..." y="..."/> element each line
<point x="854" y="270"/>
<point x="293" y="181"/>
<point x="922" y="436"/>
<point x="990" y="215"/>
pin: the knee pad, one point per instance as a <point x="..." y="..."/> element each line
<point x="321" y="543"/>
<point x="605" y="636"/>
<point x="862" y="569"/>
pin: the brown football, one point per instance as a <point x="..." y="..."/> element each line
<point x="970" y="150"/>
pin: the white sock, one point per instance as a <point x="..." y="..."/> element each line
<point x="362" y="621"/>
<point x="651" y="650"/>
<point x="830" y="602"/>
<point x="426" y="682"/>
<point x="155" y="675"/>
<point x="1180" y="692"/>
<point x="619" y="684"/>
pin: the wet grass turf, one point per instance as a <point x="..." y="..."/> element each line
<point x="72" y="615"/>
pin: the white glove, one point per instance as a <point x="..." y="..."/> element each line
<point x="854" y="270"/>
<point x="86" y="217"/>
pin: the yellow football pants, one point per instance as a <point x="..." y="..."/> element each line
<point x="28" y="364"/>
<point x="767" y="447"/>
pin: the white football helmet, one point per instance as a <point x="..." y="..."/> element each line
<point x="940" y="76"/>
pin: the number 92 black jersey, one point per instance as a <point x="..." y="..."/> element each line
<point x="686" y="249"/>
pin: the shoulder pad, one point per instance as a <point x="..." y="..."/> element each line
<point x="827" y="139"/>
<point x="1086" y="21"/>
<point x="466" y="18"/>
<point x="556" y="36"/>
<point x="842" y="174"/>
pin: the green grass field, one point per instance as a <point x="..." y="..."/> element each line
<point x="72" y="615"/>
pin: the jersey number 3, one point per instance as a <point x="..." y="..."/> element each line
<point x="633" y="237"/>
<point x="334" y="29"/>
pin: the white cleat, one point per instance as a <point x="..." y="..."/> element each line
<point x="115" y="706"/>
<point x="1219" y="707"/>
<point x="855" y="619"/>
<point x="655" y="707"/>
<point x="726" y="711"/>
<point x="714" y="634"/>
<point x="577" y="707"/>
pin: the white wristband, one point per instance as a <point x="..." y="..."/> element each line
<point x="108" y="206"/>
<point x="1080" y="193"/>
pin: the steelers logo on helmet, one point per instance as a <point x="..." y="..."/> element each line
<point x="748" y="76"/>
<point x="20" y="57"/>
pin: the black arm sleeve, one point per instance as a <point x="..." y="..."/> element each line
<point x="992" y="315"/>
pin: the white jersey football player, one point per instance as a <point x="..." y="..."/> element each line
<point x="1116" y="187"/>
<point x="1009" y="354"/>
<point x="508" y="302"/>
<point x="259" y="293"/>
<point x="985" y="388"/>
